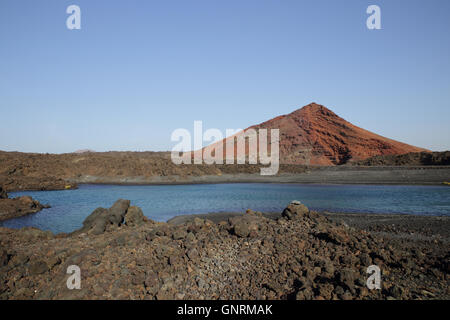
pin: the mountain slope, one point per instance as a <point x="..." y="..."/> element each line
<point x="315" y="135"/>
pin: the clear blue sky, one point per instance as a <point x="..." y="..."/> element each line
<point x="137" y="70"/>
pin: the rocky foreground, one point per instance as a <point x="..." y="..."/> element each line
<point x="17" y="207"/>
<point x="300" y="254"/>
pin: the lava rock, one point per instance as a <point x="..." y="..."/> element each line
<point x="3" y="258"/>
<point x="118" y="210"/>
<point x="101" y="219"/>
<point x="38" y="268"/>
<point x="295" y="210"/>
<point x="244" y="226"/>
<point x="3" y="194"/>
<point x="135" y="217"/>
<point x="347" y="277"/>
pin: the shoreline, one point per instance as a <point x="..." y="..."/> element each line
<point x="179" y="183"/>
<point x="318" y="175"/>
<point x="338" y="175"/>
<point x="248" y="182"/>
<point x="359" y="219"/>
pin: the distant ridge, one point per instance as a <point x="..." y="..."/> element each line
<point x="84" y="151"/>
<point x="315" y="135"/>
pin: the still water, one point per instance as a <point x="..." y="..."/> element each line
<point x="162" y="202"/>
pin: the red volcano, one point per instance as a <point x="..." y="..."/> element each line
<point x="315" y="135"/>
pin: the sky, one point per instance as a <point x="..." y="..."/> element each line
<point x="138" y="70"/>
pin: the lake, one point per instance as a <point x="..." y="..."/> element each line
<point x="162" y="202"/>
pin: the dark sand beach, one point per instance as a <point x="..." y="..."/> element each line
<point x="316" y="175"/>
